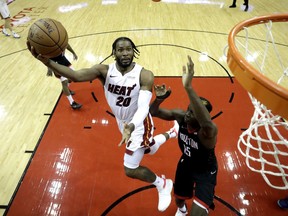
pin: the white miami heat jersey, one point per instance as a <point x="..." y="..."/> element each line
<point x="122" y="92"/>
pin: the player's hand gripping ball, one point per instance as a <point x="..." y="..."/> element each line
<point x="48" y="37"/>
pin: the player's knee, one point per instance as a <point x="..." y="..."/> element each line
<point x="130" y="172"/>
<point x="131" y="163"/>
<point x="198" y="210"/>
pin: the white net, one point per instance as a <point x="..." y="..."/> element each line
<point x="265" y="146"/>
<point x="264" y="143"/>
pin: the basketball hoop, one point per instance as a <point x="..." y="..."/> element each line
<point x="251" y="45"/>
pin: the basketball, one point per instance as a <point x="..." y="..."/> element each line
<point x="48" y="37"/>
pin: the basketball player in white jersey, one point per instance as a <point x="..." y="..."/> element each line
<point x="128" y="90"/>
<point x="5" y="14"/>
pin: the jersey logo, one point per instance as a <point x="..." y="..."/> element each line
<point x="124" y="92"/>
<point x="131" y="77"/>
<point x="188" y="141"/>
<point x="120" y="90"/>
<point x="112" y="76"/>
<point x="188" y="144"/>
<point x="213" y="172"/>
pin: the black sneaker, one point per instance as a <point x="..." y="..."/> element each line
<point x="232" y="6"/>
<point x="246" y="8"/>
<point x="75" y="105"/>
<point x="283" y="203"/>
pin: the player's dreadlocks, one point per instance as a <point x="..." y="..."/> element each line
<point x="136" y="51"/>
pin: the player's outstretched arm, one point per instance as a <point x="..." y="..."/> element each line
<point x="162" y="93"/>
<point x="82" y="75"/>
<point x="208" y="130"/>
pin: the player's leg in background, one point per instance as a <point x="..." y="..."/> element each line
<point x="67" y="92"/>
<point x="162" y="138"/>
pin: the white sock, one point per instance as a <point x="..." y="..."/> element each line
<point x="70" y="99"/>
<point x="172" y="134"/>
<point x="159" y="182"/>
<point x="159" y="140"/>
<point x="183" y="209"/>
<point x="5" y="30"/>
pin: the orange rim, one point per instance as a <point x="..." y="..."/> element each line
<point x="268" y="92"/>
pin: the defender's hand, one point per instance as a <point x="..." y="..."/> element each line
<point x="161" y="91"/>
<point x="187" y="76"/>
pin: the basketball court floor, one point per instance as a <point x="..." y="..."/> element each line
<point x="58" y="161"/>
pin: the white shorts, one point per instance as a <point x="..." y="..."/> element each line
<point x="133" y="161"/>
<point x="141" y="139"/>
<point x="4" y="10"/>
<point x="142" y="136"/>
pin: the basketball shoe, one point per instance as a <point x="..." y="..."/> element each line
<point x="164" y="194"/>
<point x="15" y="35"/>
<point x="75" y="105"/>
<point x="181" y="213"/>
<point x="5" y="32"/>
<point x="283" y="203"/>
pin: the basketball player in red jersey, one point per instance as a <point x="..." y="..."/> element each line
<point x="197" y="137"/>
<point x="62" y="60"/>
<point x="128" y="90"/>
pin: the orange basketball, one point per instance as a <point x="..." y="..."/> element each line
<point x="48" y="37"/>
